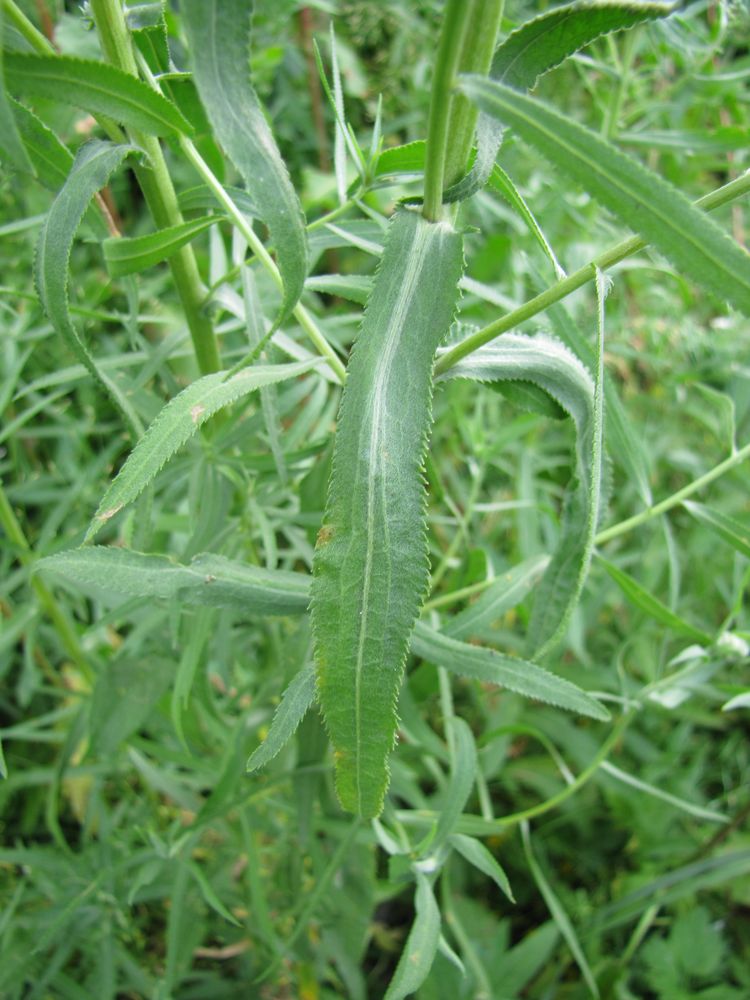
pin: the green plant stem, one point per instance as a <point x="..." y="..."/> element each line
<point x="477" y="50"/>
<point x="158" y="190"/>
<point x="721" y="196"/>
<point x="676" y="498"/>
<point x="456" y="18"/>
<point x="24" y="27"/>
<point x="15" y="535"/>
<point x="304" y="318"/>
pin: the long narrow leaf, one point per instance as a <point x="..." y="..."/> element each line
<point x="219" y="35"/>
<point x="521" y="676"/>
<point x="91" y="171"/>
<point x="11" y="144"/>
<point x="421" y="945"/>
<point x="178" y="422"/>
<point x="128" y="256"/>
<point x="294" y="704"/>
<point x="733" y="532"/>
<point x="646" y="203"/>
<point x="370" y="567"/>
<point x="96" y="87"/>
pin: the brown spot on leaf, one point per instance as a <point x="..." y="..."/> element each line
<point x="107" y="514"/>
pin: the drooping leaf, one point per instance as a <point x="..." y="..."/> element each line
<point x="208" y="580"/>
<point x="178" y="422"/>
<point x="732" y="531"/>
<point x="93" y="165"/>
<point x="501" y="182"/>
<point x="479" y="856"/>
<point x="521" y="676"/>
<point x="551" y="367"/>
<point x="370" y="567"/>
<point x="128" y="256"/>
<point x="646" y="203"/>
<point x="96" y="87"/>
<point x="421" y="945"/>
<point x="219" y="36"/>
<point x="11" y="145"/>
<point x="537" y="47"/>
<point x="295" y="702"/>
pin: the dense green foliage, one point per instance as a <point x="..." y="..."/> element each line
<point x="550" y="726"/>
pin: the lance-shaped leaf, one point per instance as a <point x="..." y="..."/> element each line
<point x="537" y="47"/>
<point x="295" y="702"/>
<point x="421" y="945"/>
<point x="209" y="580"/>
<point x="520" y="676"/>
<point x="91" y="171"/>
<point x="96" y="87"/>
<point x="546" y="364"/>
<point x="50" y="158"/>
<point x="219" y="35"/>
<point x="178" y="422"/>
<point x="370" y="567"/>
<point x="11" y="144"/>
<point x="646" y="203"/>
<point x="128" y="256"/>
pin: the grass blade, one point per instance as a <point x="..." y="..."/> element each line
<point x="421" y="945"/>
<point x="463" y="773"/>
<point x="488" y="665"/>
<point x="92" y="167"/>
<point x="733" y="532"/>
<point x="370" y="568"/>
<point x="295" y="702"/>
<point x="654" y="209"/>
<point x="219" y="33"/>
<point x="178" y="422"/>
<point x="128" y="256"/>
<point x="96" y="87"/>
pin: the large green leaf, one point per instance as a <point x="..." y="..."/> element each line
<point x="128" y="256"/>
<point x="91" y="171"/>
<point x="658" y="212"/>
<point x="208" y="580"/>
<point x="537" y="47"/>
<point x="178" y="422"/>
<point x="548" y="365"/>
<point x="219" y="35"/>
<point x="521" y="676"/>
<point x="370" y="567"/>
<point x="96" y="87"/>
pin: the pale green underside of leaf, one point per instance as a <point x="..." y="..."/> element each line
<point x="178" y="422"/>
<point x="658" y="212"/>
<point x="128" y="256"/>
<point x="421" y="945"/>
<point x="96" y="87"/>
<point x="91" y="170"/>
<point x="732" y="531"/>
<point x="370" y="567"/>
<point x="295" y="702"/>
<point x="208" y="580"/>
<point x="539" y="46"/>
<point x="551" y="367"/>
<point x="219" y="34"/>
<point x="517" y="675"/>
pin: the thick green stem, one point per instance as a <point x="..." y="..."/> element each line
<point x="457" y="15"/>
<point x="65" y="631"/>
<point x="721" y="196"/>
<point x="159" y="192"/>
<point x="25" y="28"/>
<point x="476" y="57"/>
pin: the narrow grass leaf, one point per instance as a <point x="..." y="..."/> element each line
<point x="178" y="422"/>
<point x="209" y="580"/>
<point x="537" y="47"/>
<point x="295" y="702"/>
<point x="130" y="255"/>
<point x="479" y="856"/>
<point x="463" y="773"/>
<point x="3" y="765"/>
<point x="557" y="912"/>
<point x="93" y="165"/>
<point x="209" y="895"/>
<point x="96" y="87"/>
<point x="12" y="148"/>
<point x="502" y="183"/>
<point x="652" y="606"/>
<point x="673" y="800"/>
<point x="370" y="567"/>
<point x="646" y="203"/>
<point x="505" y="592"/>
<point x="732" y="531"/>
<point x="421" y="945"/>
<point x="521" y="676"/>
<point x="548" y="365"/>
<point x="219" y="35"/>
<point x="124" y="696"/>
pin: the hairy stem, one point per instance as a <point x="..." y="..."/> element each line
<point x="721" y="196"/>
<point x="158" y="190"/>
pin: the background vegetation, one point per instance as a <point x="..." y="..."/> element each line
<point x="138" y="858"/>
